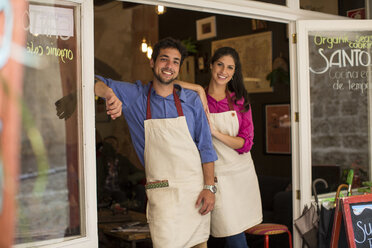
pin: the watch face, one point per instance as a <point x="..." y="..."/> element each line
<point x="214" y="189"/>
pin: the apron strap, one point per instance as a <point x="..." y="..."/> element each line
<point x="177" y="102"/>
<point x="231" y="107"/>
<point x="229" y="101"/>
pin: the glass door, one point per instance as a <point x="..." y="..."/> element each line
<point x="335" y="92"/>
<point x="53" y="194"/>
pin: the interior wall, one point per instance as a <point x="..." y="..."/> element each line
<point x="227" y="27"/>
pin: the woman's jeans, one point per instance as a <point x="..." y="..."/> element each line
<point x="236" y="241"/>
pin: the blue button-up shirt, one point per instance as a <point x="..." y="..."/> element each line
<point x="134" y="99"/>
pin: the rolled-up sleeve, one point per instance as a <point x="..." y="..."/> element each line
<point x="246" y="131"/>
<point x="203" y="137"/>
<point x="126" y="92"/>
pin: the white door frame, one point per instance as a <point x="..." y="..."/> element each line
<point x="87" y="177"/>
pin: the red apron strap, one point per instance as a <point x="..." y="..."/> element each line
<point x="177" y="102"/>
<point x="229" y="101"/>
<point x="231" y="107"/>
<point x="148" y="111"/>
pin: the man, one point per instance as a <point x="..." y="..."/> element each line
<point x="172" y="138"/>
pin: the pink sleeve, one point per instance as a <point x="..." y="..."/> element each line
<point x="246" y="131"/>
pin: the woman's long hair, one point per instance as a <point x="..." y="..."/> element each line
<point x="236" y="83"/>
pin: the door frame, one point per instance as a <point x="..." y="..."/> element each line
<point x="87" y="172"/>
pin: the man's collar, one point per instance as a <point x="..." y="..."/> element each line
<point x="179" y="90"/>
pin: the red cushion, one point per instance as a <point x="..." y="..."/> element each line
<point x="267" y="229"/>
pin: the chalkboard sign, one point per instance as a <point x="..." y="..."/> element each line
<point x="357" y="213"/>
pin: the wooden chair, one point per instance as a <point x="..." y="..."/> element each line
<point x="268" y="229"/>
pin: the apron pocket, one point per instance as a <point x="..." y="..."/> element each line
<point x="162" y="203"/>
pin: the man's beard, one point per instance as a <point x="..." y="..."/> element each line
<point x="161" y="80"/>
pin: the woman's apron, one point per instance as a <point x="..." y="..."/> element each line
<point x="238" y="200"/>
<point x="174" y="181"/>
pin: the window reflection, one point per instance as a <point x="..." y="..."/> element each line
<point x="278" y="2"/>
<point x="48" y="198"/>
<point x="353" y="9"/>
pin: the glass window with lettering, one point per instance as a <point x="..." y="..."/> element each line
<point x="340" y="92"/>
<point x="49" y="194"/>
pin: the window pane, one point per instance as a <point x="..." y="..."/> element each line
<point x="353" y="9"/>
<point x="48" y="198"/>
<point x="278" y="2"/>
<point x="340" y="92"/>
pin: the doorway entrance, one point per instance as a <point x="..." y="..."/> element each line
<point x="263" y="48"/>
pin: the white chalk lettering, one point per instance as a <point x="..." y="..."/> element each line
<point x="340" y="58"/>
<point x="366" y="232"/>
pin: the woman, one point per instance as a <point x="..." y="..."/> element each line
<point x="238" y="201"/>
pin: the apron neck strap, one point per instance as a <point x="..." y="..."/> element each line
<point x="229" y="100"/>
<point x="177" y="102"/>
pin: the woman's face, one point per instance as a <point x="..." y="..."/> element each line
<point x="223" y="69"/>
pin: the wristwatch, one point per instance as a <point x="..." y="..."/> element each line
<point x="212" y="188"/>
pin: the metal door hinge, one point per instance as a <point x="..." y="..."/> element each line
<point x="294" y="38"/>
<point x="297" y="117"/>
<point x="298" y="194"/>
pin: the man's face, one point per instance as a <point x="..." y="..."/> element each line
<point x="167" y="65"/>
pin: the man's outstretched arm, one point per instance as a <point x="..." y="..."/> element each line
<point x="113" y="104"/>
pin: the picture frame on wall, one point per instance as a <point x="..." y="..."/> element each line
<point x="277" y="129"/>
<point x="206" y="28"/>
<point x="356" y="13"/>
<point x="187" y="72"/>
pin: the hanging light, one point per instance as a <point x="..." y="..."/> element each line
<point x="149" y="51"/>
<point x="160" y="9"/>
<point x="144" y="46"/>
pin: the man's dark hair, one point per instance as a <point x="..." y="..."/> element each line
<point x="169" y="43"/>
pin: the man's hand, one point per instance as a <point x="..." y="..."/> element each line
<point x="207" y="199"/>
<point x="113" y="104"/>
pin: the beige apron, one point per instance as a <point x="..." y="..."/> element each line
<point x="174" y="181"/>
<point x="238" y="200"/>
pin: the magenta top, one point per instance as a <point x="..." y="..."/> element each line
<point x="245" y="119"/>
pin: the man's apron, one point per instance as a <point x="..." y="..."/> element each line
<point x="174" y="181"/>
<point x="238" y="200"/>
